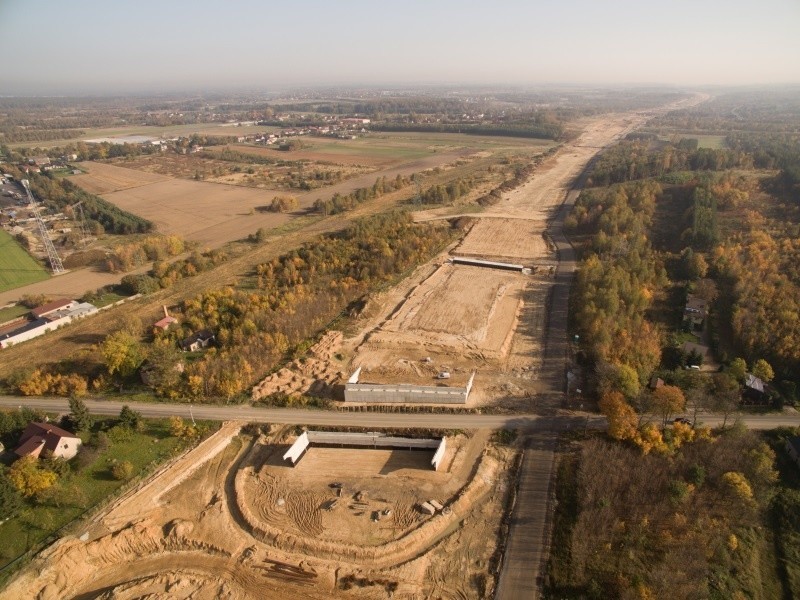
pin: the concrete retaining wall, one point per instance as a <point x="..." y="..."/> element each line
<point x="403" y="393"/>
<point x="296" y="451"/>
<point x="364" y="440"/>
<point x="439" y="454"/>
<point x="477" y="262"/>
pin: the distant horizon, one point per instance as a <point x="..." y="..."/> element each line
<point x="114" y="48"/>
<point x="400" y="87"/>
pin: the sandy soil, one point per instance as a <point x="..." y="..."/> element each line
<point x="472" y="304"/>
<point x="505" y="240"/>
<point x="238" y="524"/>
<point x="477" y="319"/>
<point x="315" y="374"/>
<point x="484" y="320"/>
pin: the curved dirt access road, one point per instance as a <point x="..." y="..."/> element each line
<point x="162" y="540"/>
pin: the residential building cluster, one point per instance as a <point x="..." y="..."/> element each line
<point x="43" y="319"/>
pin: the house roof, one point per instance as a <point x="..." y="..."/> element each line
<point x="44" y="429"/>
<point x="754" y="383"/>
<point x="38" y="436"/>
<point x="200" y="336"/>
<point x="32" y="446"/>
<point x="165" y="322"/>
<point x="21" y="327"/>
<point x="50" y="307"/>
<point x="694" y="304"/>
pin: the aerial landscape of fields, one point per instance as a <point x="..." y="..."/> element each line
<point x="326" y="302"/>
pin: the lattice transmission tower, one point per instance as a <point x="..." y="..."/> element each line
<point x="52" y="255"/>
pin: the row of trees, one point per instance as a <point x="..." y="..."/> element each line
<point x="164" y="273"/>
<point x="15" y="134"/>
<point x="152" y="248"/>
<point x="60" y="194"/>
<point x="444" y="193"/>
<point x="340" y="203"/>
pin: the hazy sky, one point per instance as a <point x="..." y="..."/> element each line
<point x="92" y="46"/>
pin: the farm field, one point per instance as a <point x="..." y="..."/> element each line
<point x="207" y="213"/>
<point x="17" y="267"/>
<point x="102" y="178"/>
<point x="285" y="175"/>
<point x="267" y="534"/>
<point x="212" y="214"/>
<point x="380" y="149"/>
<point x="508" y="239"/>
<point x="220" y="129"/>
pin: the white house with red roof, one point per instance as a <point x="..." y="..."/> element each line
<point x="40" y="437"/>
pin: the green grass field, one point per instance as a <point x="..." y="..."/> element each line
<point x="413" y="145"/>
<point x="17" y="267"/>
<point x="714" y="142"/>
<point x="370" y="148"/>
<point x="151" y="130"/>
<point x="107" y="298"/>
<point x="12" y="312"/>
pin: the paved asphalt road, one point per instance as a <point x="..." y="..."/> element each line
<point x="530" y="422"/>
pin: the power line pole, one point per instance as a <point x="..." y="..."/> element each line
<point x="77" y="211"/>
<point x="52" y="255"/>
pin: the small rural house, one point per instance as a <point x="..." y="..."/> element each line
<point x="695" y="311"/>
<point x="40" y="437"/>
<point x="165" y="323"/>
<point x="197" y="341"/>
<point x="43" y="319"/>
<point x="755" y="389"/>
<point x="51" y="307"/>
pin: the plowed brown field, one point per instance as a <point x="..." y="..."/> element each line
<point x="101" y="178"/>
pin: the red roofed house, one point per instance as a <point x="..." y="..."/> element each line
<point x="164" y="323"/>
<point x="50" y="307"/>
<point x="39" y="437"/>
